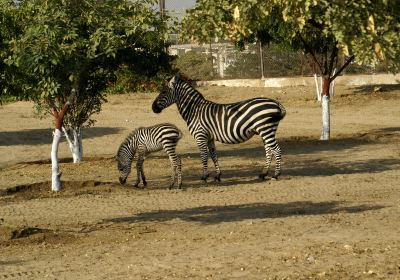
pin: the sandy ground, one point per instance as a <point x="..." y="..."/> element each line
<point x="334" y="213"/>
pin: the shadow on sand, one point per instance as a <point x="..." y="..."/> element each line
<point x="383" y="88"/>
<point x="234" y="213"/>
<point x="44" y="136"/>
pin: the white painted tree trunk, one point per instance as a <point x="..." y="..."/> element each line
<point x="318" y="88"/>
<point x="74" y="139"/>
<point x="55" y="170"/>
<point x="326" y="126"/>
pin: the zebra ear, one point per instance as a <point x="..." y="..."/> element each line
<point x="172" y="81"/>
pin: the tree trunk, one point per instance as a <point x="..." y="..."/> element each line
<point x="55" y="170"/>
<point x="74" y="139"/>
<point x="326" y="125"/>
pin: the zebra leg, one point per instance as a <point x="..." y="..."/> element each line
<point x="139" y="170"/>
<point x="173" y="173"/>
<point x="175" y="164"/>
<point x="203" y="147"/>
<point x="278" y="156"/>
<point x="143" y="177"/>
<point x="176" y="171"/>
<point x="213" y="154"/>
<point x="179" y="172"/>
<point x="268" y="154"/>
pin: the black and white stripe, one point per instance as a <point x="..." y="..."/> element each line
<point x="145" y="140"/>
<point x="227" y="123"/>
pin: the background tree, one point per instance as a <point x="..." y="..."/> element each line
<point x="246" y="65"/>
<point x="76" y="46"/>
<point x="367" y="30"/>
<point x="197" y="66"/>
<point x="9" y="28"/>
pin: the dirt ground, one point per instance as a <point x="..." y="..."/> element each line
<point x="334" y="213"/>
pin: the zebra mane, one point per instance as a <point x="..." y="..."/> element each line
<point x="183" y="83"/>
<point x="127" y="140"/>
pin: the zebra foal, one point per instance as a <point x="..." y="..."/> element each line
<point x="145" y="140"/>
<point x="227" y="123"/>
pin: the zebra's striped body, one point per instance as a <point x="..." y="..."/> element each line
<point x="145" y="140"/>
<point x="227" y="123"/>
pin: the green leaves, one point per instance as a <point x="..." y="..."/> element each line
<point x="197" y="66"/>
<point x="368" y="29"/>
<point x="77" y="45"/>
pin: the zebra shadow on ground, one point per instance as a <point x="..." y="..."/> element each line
<point x="44" y="135"/>
<point x="303" y="145"/>
<point x="234" y="213"/>
<point x="245" y="175"/>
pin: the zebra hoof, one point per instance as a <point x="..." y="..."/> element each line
<point x="217" y="178"/>
<point x="262" y="177"/>
<point x="204" y="178"/>
<point x="275" y="177"/>
<point x="144" y="183"/>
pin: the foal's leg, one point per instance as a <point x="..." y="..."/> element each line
<point x="142" y="172"/>
<point x="139" y="170"/>
<point x="179" y="172"/>
<point x="278" y="156"/>
<point x="268" y="154"/>
<point x="213" y="154"/>
<point x="170" y="148"/>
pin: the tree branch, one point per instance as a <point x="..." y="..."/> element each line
<point x="59" y="115"/>
<point x="343" y="67"/>
<point x="315" y="24"/>
<point x="309" y="50"/>
<point x="332" y="60"/>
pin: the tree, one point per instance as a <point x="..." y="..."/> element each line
<point x="76" y="46"/>
<point x="246" y="65"/>
<point x="367" y="30"/>
<point x="9" y="28"/>
<point x="197" y="66"/>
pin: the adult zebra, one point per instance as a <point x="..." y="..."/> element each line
<point x="145" y="140"/>
<point x="227" y="123"/>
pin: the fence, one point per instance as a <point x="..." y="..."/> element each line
<point x="254" y="61"/>
<point x="226" y="61"/>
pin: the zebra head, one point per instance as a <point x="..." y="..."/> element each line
<point x="124" y="167"/>
<point x="166" y="97"/>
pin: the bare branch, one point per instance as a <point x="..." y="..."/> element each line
<point x="342" y="68"/>
<point x="332" y="59"/>
<point x="309" y="50"/>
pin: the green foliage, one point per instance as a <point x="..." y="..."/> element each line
<point x="128" y="81"/>
<point x="196" y="66"/>
<point x="277" y="61"/>
<point x="368" y="29"/>
<point x="78" y="45"/>
<point x="9" y="28"/>
<point x="247" y="65"/>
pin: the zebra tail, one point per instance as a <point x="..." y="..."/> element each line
<point x="282" y="111"/>
<point x="179" y="134"/>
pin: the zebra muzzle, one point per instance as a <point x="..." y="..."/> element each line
<point x="122" y="181"/>
<point x="155" y="108"/>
